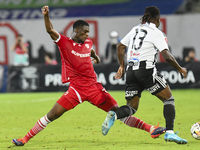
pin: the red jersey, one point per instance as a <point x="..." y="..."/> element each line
<point x="77" y="67"/>
<point x="19" y="50"/>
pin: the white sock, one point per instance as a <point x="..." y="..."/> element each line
<point x="151" y="129"/>
<point x="115" y="116"/>
<point x="170" y="131"/>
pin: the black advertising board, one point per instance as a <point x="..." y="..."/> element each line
<point x="42" y="78"/>
<point x="38" y="78"/>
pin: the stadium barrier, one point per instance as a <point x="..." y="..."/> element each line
<point x="42" y="78"/>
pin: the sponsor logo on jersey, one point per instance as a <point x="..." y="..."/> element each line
<point x="87" y="45"/>
<point x="66" y="93"/>
<point x="134" y="54"/>
<point x="166" y="40"/>
<point x="80" y="55"/>
<point x="131" y="93"/>
<point x="154" y="88"/>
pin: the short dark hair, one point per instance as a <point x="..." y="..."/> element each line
<point x="186" y="51"/>
<point x="79" y="23"/>
<point x="151" y="12"/>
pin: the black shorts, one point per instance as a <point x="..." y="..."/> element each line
<point x="138" y="80"/>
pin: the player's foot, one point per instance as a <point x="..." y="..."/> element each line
<point x="109" y="121"/>
<point x="157" y="131"/>
<point x="19" y="142"/>
<point x="174" y="138"/>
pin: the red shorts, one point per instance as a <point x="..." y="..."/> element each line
<point x="95" y="94"/>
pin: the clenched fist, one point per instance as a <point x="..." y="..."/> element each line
<point x="45" y="10"/>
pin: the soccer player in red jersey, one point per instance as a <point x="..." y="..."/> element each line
<point x="77" y="68"/>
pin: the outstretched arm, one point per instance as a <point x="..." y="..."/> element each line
<point x="120" y="53"/>
<point x="95" y="56"/>
<point x="49" y="27"/>
<point x="172" y="61"/>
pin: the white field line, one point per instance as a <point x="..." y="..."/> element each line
<point x="30" y="100"/>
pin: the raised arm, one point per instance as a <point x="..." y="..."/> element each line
<point x="49" y="27"/>
<point x="172" y="61"/>
<point x="120" y="53"/>
<point x="14" y="45"/>
<point x="19" y="41"/>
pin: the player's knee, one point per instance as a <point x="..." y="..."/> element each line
<point x="133" y="105"/>
<point x="54" y="114"/>
<point x="114" y="108"/>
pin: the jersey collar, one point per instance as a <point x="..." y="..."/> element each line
<point x="152" y="25"/>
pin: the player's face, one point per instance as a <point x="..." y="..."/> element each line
<point x="19" y="39"/>
<point x="82" y="33"/>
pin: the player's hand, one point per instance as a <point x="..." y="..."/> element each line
<point x="45" y="10"/>
<point x="120" y="73"/>
<point x="95" y="57"/>
<point x="183" y="72"/>
<point x="96" y="60"/>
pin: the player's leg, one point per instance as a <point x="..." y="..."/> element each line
<point x="118" y="113"/>
<point x="53" y="114"/>
<point x="131" y="108"/>
<point x="133" y="94"/>
<point x="132" y="121"/>
<point x="60" y="107"/>
<point x="111" y="105"/>
<point x="124" y="113"/>
<point x="165" y="95"/>
<point x="169" y="107"/>
<point x="136" y="81"/>
<point x="103" y="100"/>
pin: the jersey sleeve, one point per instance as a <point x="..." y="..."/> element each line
<point x="160" y="41"/>
<point x="60" y="41"/>
<point x="126" y="39"/>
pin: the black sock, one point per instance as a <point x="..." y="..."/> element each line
<point x="124" y="111"/>
<point x="169" y="113"/>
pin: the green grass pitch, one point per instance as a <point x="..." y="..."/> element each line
<point x="80" y="128"/>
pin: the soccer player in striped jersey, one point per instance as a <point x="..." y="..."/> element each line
<point x="144" y="42"/>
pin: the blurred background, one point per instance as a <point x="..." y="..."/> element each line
<point x="36" y="66"/>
